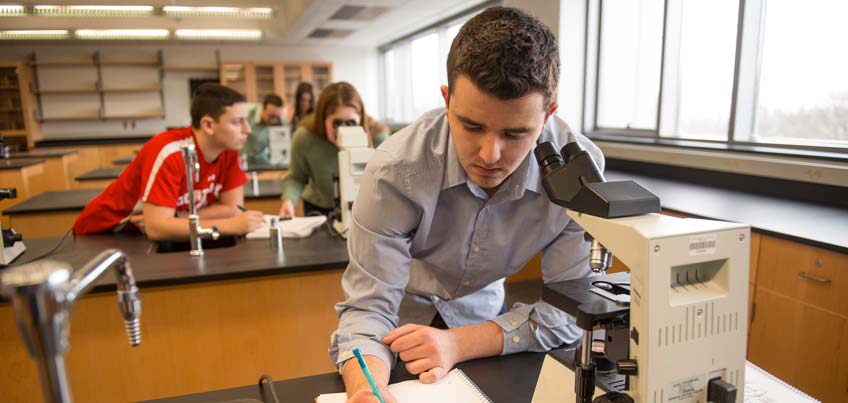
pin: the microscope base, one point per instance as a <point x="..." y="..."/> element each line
<point x="10" y="253"/>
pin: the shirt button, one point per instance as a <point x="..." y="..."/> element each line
<point x="466" y="282"/>
<point x="516" y="339"/>
<point x="514" y="324"/>
<point x="475" y="249"/>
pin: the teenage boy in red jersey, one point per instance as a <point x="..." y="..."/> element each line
<point x="151" y="194"/>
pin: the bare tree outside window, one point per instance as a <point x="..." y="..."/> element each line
<point x="803" y="88"/>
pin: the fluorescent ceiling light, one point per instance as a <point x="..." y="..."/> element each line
<point x="93" y="11"/>
<point x="35" y="34"/>
<point x="183" y="11"/>
<point x="11" y="10"/>
<point x="126" y="34"/>
<point x="219" y="34"/>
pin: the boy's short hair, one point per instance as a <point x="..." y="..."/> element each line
<point x="507" y="53"/>
<point x="212" y="100"/>
<point x="272" y="99"/>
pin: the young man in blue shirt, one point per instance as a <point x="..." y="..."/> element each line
<point x="453" y="204"/>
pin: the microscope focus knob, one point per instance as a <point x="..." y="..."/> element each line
<point x="627" y="367"/>
<point x="10" y="237"/>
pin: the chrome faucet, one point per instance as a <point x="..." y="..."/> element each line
<point x="43" y="293"/>
<point x="196" y="233"/>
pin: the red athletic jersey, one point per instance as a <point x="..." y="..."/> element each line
<point x="157" y="175"/>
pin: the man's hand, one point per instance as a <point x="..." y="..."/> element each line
<point x="428" y="352"/>
<point x="366" y="396"/>
<point x="287" y="209"/>
<point x="138" y="221"/>
<point x="248" y="221"/>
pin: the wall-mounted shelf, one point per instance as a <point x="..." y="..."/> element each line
<point x="88" y="118"/>
<point x="129" y="63"/>
<point x="68" y="118"/>
<point x="66" y="91"/>
<point x="114" y="108"/>
<point x="95" y="90"/>
<point x="61" y="63"/>
<point x="134" y="117"/>
<point x="129" y="90"/>
<point x="191" y="68"/>
<point x="68" y="63"/>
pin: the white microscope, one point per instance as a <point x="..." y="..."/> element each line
<point x="354" y="152"/>
<point x="676" y="325"/>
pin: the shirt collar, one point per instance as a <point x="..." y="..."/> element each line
<point x="454" y="173"/>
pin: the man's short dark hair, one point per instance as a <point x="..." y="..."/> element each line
<point x="212" y="100"/>
<point x="507" y="53"/>
<point x="272" y="99"/>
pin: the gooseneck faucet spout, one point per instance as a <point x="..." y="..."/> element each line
<point x="43" y="294"/>
<point x="196" y="232"/>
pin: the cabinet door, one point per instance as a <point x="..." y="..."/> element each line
<point x="801" y="345"/>
<point x="293" y="74"/>
<point x="805" y="273"/>
<point x="756" y="239"/>
<point x="321" y="75"/>
<point x="11" y="111"/>
<point x="264" y="81"/>
<point x="240" y="77"/>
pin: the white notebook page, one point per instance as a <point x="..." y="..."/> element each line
<point x="455" y="387"/>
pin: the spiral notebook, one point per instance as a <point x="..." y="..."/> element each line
<point x="455" y="387"/>
<point x="763" y="387"/>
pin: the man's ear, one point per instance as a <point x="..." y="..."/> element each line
<point x="446" y="95"/>
<point x="206" y="124"/>
<point x="551" y="110"/>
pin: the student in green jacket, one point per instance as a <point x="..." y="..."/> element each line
<point x="314" y="154"/>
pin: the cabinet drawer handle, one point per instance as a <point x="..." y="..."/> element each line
<point x="814" y="278"/>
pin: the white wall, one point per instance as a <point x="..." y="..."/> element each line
<point x="565" y="18"/>
<point x="356" y="65"/>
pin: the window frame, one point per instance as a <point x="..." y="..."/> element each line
<point x="749" y="39"/>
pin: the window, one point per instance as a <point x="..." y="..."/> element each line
<point x="629" y="67"/>
<point x="802" y="97"/>
<point x="737" y="72"/>
<point x="414" y="69"/>
<point x="698" y="72"/>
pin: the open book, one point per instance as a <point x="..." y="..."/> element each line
<point x="455" y="387"/>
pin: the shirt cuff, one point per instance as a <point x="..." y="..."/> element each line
<point x="344" y="345"/>
<point x="517" y="334"/>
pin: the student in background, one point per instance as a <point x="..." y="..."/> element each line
<point x="304" y="102"/>
<point x="258" y="146"/>
<point x="151" y="194"/>
<point x="451" y="205"/>
<point x="314" y="153"/>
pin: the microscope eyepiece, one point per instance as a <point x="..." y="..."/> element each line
<point x="571" y="150"/>
<point x="547" y="157"/>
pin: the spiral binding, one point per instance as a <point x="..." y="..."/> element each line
<point x="466" y="380"/>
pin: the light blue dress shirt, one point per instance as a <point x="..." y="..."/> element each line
<point x="424" y="239"/>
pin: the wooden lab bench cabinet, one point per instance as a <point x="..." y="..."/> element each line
<point x="799" y="327"/>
